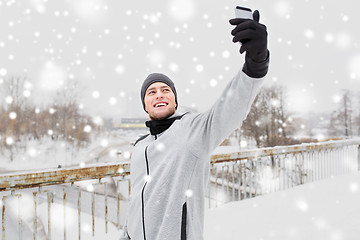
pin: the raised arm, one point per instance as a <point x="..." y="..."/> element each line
<point x="210" y="128"/>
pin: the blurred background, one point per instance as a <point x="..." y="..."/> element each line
<point x="71" y="71"/>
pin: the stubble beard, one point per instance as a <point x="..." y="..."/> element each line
<point x="157" y="118"/>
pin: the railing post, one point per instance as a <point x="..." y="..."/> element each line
<point x="3" y="216"/>
<point x="49" y="199"/>
<point x="358" y="157"/>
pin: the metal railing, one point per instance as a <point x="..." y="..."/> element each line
<point x="246" y="174"/>
<point x="88" y="202"/>
<point x="64" y="203"/>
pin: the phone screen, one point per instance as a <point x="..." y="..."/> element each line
<point x="243" y="12"/>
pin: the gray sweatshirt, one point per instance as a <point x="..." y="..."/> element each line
<point x="170" y="171"/>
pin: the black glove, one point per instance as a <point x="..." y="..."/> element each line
<point x="252" y="35"/>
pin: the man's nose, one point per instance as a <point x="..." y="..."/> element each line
<point x="159" y="94"/>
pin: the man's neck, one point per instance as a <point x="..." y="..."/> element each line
<point x="158" y="126"/>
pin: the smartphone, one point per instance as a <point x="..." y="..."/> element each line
<point x="243" y="12"/>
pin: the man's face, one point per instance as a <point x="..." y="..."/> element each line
<point x="159" y="101"/>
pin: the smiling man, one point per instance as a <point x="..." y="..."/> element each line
<point x="159" y="96"/>
<point x="170" y="166"/>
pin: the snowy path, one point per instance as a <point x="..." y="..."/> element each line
<point x="328" y="209"/>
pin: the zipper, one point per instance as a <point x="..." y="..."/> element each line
<point x="183" y="222"/>
<point x="142" y="193"/>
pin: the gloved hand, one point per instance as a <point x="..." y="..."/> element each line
<point x="252" y="35"/>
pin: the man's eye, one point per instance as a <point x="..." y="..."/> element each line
<point x="166" y="90"/>
<point x="151" y="92"/>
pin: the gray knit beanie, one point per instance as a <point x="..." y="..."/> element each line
<point x="157" y="77"/>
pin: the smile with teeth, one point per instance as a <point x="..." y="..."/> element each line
<point x="160" y="104"/>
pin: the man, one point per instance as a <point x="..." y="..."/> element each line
<point x="170" y="166"/>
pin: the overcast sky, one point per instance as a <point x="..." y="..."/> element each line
<point x="109" y="47"/>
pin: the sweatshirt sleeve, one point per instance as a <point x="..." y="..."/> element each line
<point x="124" y="235"/>
<point x="210" y="128"/>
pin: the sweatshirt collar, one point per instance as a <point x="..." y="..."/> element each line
<point x="159" y="126"/>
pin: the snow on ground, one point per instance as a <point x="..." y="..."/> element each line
<point x="72" y="224"/>
<point x="47" y="154"/>
<point x="327" y="209"/>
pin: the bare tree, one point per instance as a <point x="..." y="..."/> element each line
<point x="20" y="119"/>
<point x="357" y="118"/>
<point x="67" y="120"/>
<point x="269" y="123"/>
<point x="341" y="119"/>
<point x="15" y="117"/>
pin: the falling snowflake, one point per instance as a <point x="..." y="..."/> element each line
<point x="120" y="69"/>
<point x="343" y="40"/>
<point x="87" y="128"/>
<point x="112" y="100"/>
<point x="337" y="98"/>
<point x="104" y="142"/>
<point x="127" y="155"/>
<point x="160" y="146"/>
<point x="345" y="18"/>
<point x="213" y="82"/>
<point x="90" y="188"/>
<point x="226" y="54"/>
<point x="156" y="56"/>
<point x="52" y="76"/>
<point x="32" y="152"/>
<point x="9" y="141"/>
<point x="27" y="93"/>
<point x="174" y="67"/>
<point x="52" y="110"/>
<point x="98" y="120"/>
<point x="86" y="228"/>
<point x="302" y="205"/>
<point x="309" y="34"/>
<point x="275" y="102"/>
<point x="95" y="94"/>
<point x="189" y="193"/>
<point x="182" y="10"/>
<point x="3" y="71"/>
<point x="199" y="68"/>
<point x="354" y="187"/>
<point x="353" y="66"/>
<point x="147" y="178"/>
<point x="91" y="11"/>
<point x="12" y="115"/>
<point x="336" y="235"/>
<point x="282" y="9"/>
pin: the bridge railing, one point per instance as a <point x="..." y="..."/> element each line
<point x="90" y="202"/>
<point x="246" y="174"/>
<point x="74" y="203"/>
